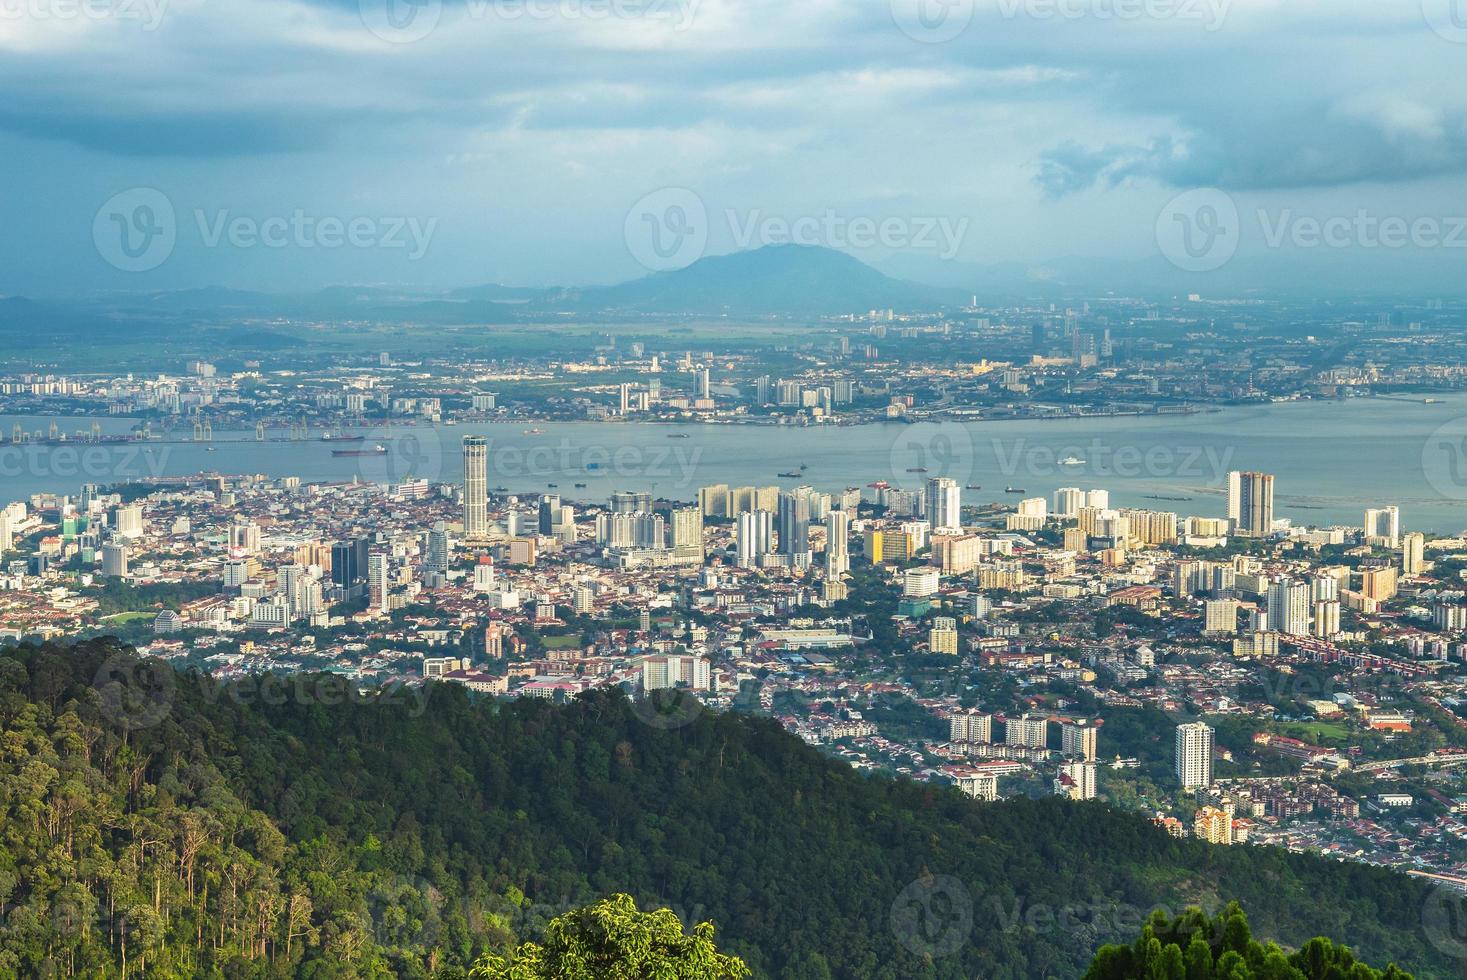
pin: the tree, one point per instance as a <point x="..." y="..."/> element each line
<point x="1193" y="947"/>
<point x="611" y="940"/>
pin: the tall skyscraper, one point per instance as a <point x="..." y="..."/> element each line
<point x="1250" y="504"/>
<point x="1078" y="739"/>
<point x="837" y="532"/>
<point x="944" y="504"/>
<point x="794" y="523"/>
<point x="377" y="582"/>
<point x="1194" y="755"/>
<point x="549" y="513"/>
<point x="476" y="487"/>
<point x="436" y="560"/>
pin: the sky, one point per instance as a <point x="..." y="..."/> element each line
<point x="290" y="144"/>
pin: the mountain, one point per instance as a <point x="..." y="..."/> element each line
<point x="294" y="826"/>
<point x="775" y="279"/>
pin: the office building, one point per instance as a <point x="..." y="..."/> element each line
<point x="114" y="560"/>
<point x="549" y="515"/>
<point x="476" y="488"/>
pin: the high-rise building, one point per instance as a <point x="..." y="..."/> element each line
<point x="837" y="532"/>
<point x="630" y="502"/>
<point x="1194" y="755"/>
<point x="1326" y="618"/>
<point x="1079" y="739"/>
<point x="714" y="501"/>
<point x="583" y="600"/>
<point x="1068" y="501"/>
<point x="1413" y="553"/>
<point x="794" y="523"/>
<point x="970" y="726"/>
<point x="129" y="521"/>
<point x="944" y="504"/>
<point x="755" y="535"/>
<point x="1383" y="525"/>
<point x="943" y="637"/>
<point x="476" y="488"/>
<point x="114" y="560"/>
<point x="378" y="586"/>
<point x="1288" y="607"/>
<point x="549" y="513"/>
<point x="1250" y="503"/>
<point x="1076" y="780"/>
<point x="349" y="562"/>
<point x="1220" y="616"/>
<point x="436" y="560"/>
<point x="1029" y="730"/>
<point x="687" y="528"/>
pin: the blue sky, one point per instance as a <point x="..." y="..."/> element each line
<point x="517" y="137"/>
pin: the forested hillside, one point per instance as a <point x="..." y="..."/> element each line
<point x="193" y="830"/>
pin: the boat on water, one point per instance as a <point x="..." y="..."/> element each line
<point x="678" y="435"/>
<point x="328" y="437"/>
<point x="533" y="432"/>
<point x="916" y="469"/>
<point x="790" y="474"/>
<point x="377" y="450"/>
<point x="1072" y="461"/>
<point x="1157" y="496"/>
<point x="1014" y="490"/>
<point x="580" y="486"/>
<point x="975" y="486"/>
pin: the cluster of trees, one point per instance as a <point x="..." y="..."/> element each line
<point x="179" y="828"/>
<point x="1195" y="947"/>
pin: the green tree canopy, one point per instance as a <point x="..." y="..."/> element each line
<point x="611" y="940"/>
<point x="1194" y="947"/>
